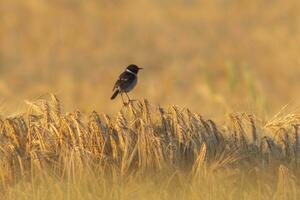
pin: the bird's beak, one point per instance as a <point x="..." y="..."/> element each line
<point x="140" y="68"/>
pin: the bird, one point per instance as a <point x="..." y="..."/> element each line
<point x="126" y="82"/>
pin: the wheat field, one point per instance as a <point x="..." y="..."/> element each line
<point x="147" y="152"/>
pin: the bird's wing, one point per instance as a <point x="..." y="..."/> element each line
<point x="123" y="78"/>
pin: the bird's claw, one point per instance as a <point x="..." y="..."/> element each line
<point x="130" y="101"/>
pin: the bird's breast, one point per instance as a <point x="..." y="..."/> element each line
<point x="130" y="85"/>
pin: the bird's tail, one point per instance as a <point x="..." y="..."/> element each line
<point x="115" y="94"/>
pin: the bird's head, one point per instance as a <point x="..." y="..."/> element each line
<point x="133" y="68"/>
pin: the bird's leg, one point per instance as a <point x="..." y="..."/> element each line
<point x="129" y="100"/>
<point x="123" y="99"/>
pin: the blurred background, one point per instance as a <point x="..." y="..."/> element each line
<point x="213" y="56"/>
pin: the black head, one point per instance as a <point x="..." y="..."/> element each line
<point x="133" y="68"/>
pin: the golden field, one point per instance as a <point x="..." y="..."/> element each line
<point x="147" y="152"/>
<point x="229" y="66"/>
